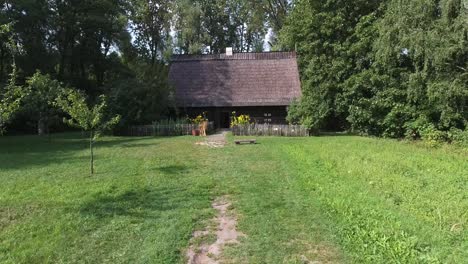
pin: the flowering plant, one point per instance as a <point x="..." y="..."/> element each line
<point x="240" y="120"/>
<point x="200" y="118"/>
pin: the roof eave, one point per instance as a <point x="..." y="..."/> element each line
<point x="240" y="104"/>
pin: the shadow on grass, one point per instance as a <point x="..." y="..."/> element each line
<point x="18" y="152"/>
<point x="140" y="203"/>
<point x="173" y="169"/>
<point x="335" y="134"/>
<point x="135" y="145"/>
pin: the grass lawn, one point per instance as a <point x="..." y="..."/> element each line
<point x="336" y="199"/>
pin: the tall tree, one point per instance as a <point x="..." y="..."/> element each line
<point x="11" y="94"/>
<point x="83" y="33"/>
<point x="423" y="46"/>
<point x="10" y="101"/>
<point x="247" y="26"/>
<point x="325" y="34"/>
<point x="211" y="26"/>
<point x="191" y="38"/>
<point x="275" y="12"/>
<point x="5" y="48"/>
<point x="151" y="26"/>
<point x="391" y="69"/>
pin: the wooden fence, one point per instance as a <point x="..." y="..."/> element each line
<point x="270" y="130"/>
<point x="164" y="130"/>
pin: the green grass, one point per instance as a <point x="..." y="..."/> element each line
<point x="332" y="199"/>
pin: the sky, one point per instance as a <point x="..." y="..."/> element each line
<point x="266" y="45"/>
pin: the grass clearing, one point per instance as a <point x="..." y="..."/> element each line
<point x="331" y="199"/>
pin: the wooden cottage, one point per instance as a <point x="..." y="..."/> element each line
<point x="261" y="85"/>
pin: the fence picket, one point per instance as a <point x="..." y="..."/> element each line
<point x="270" y="130"/>
<point x="163" y="130"/>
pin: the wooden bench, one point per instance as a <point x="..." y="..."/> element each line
<point x="247" y="141"/>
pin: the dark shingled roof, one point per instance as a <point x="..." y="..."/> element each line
<point x="244" y="79"/>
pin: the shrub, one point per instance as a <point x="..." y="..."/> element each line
<point x="433" y="137"/>
<point x="240" y="120"/>
<point x="200" y="118"/>
<point x="311" y="115"/>
<point x="458" y="137"/>
<point x="394" y="121"/>
<point x="414" y="129"/>
<point x="422" y="129"/>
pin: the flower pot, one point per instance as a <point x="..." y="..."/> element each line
<point x="195" y="132"/>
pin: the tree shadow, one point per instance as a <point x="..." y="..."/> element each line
<point x="138" y="203"/>
<point x="173" y="169"/>
<point x="335" y="134"/>
<point x="134" y="145"/>
<point x="19" y="152"/>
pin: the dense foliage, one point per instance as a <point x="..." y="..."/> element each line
<point x="117" y="48"/>
<point x="388" y="68"/>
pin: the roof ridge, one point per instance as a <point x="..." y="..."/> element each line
<point x="272" y="55"/>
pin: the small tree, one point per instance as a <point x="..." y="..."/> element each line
<point x="92" y="119"/>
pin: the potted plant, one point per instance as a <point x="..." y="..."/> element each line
<point x="195" y="132"/>
<point x="197" y="121"/>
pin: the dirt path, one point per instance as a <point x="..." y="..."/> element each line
<point x="226" y="233"/>
<point x="217" y="140"/>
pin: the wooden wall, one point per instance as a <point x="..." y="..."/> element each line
<point x="259" y="114"/>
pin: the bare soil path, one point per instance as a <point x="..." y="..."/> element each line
<point x="217" y="140"/>
<point x="225" y="233"/>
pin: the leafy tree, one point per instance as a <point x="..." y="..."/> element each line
<point x="5" y="49"/>
<point x="247" y="26"/>
<point x="211" y="26"/>
<point x="143" y="98"/>
<point x="39" y="103"/>
<point x="191" y="38"/>
<point x="10" y="100"/>
<point x="386" y="68"/>
<point x="275" y="13"/>
<point x="150" y="22"/>
<point x="11" y="94"/>
<point x="29" y="23"/>
<point x="88" y="118"/>
<point x="423" y="47"/>
<point x="327" y="35"/>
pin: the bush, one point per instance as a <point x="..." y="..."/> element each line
<point x="458" y="137"/>
<point x="309" y="113"/>
<point x="433" y="137"/>
<point x="415" y="129"/>
<point x="422" y="129"/>
<point x="394" y="121"/>
<point x="240" y="120"/>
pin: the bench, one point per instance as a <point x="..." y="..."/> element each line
<point x="247" y="141"/>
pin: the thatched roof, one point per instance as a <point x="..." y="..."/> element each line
<point x="244" y="79"/>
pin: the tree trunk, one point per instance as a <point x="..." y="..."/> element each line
<point x="1" y="63"/>
<point x="62" y="62"/>
<point x="41" y="125"/>
<point x="92" y="153"/>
